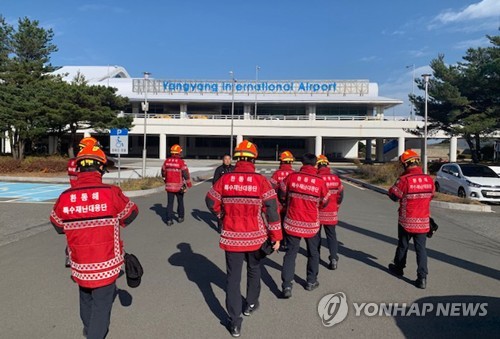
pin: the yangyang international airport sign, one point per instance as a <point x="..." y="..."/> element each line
<point x="359" y="87"/>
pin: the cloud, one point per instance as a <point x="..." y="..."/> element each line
<point x="417" y="53"/>
<point x="401" y="86"/>
<point x="368" y="58"/>
<point x="466" y="44"/>
<point x="480" y="10"/>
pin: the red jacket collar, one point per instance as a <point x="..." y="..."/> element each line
<point x="324" y="170"/>
<point x="309" y="169"/>
<point x="88" y="178"/>
<point x="413" y="170"/>
<point x="286" y="167"/>
<point x="244" y="166"/>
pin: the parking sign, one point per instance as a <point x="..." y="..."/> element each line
<point x="118" y="143"/>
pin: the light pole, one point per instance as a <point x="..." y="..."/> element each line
<point x="232" y="112"/>
<point x="257" y="68"/>
<point x="426" y="80"/>
<point x="412" y="109"/>
<point x="145" y="108"/>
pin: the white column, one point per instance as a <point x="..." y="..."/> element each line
<point x="401" y="145"/>
<point x="247" y="111"/>
<point x="318" y="147"/>
<point x="379" y="153"/>
<point x="183" y="111"/>
<point x="368" y="150"/>
<point x="311" y="110"/>
<point x="453" y="149"/>
<point x="163" y="146"/>
<point x="239" y="138"/>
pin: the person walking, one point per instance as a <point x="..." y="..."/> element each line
<point x="177" y="180"/>
<point x="286" y="161"/>
<point x="328" y="216"/>
<point x="304" y="193"/>
<point x="90" y="215"/>
<point x="72" y="174"/>
<point x="226" y="167"/>
<point x="414" y="190"/>
<point x="241" y="199"/>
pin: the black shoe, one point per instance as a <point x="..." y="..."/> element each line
<point x="170" y="223"/>
<point x="333" y="265"/>
<point x="396" y="270"/>
<point x="312" y="286"/>
<point x="287" y="292"/>
<point x="67" y="263"/>
<point x="421" y="283"/>
<point x="235" y="330"/>
<point x="250" y="309"/>
<point x="181" y="220"/>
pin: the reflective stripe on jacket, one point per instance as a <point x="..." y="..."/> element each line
<point x="414" y="190"/>
<point x="240" y="199"/>
<point x="90" y="214"/>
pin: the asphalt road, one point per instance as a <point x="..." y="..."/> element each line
<point x="182" y="293"/>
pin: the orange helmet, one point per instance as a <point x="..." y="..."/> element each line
<point x="246" y="149"/>
<point x="409" y="156"/>
<point x="322" y="160"/>
<point x="286" y="156"/>
<point x="175" y="149"/>
<point x="91" y="155"/>
<point x="87" y="141"/>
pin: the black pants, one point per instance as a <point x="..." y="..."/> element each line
<point x="234" y="265"/>
<point x="331" y="241"/>
<point x="293" y="244"/>
<point x="419" y="240"/>
<point x="170" y="205"/>
<point x="95" y="309"/>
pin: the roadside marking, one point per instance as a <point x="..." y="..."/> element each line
<point x="353" y="185"/>
<point x="30" y="192"/>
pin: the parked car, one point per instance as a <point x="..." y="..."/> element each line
<point x="473" y="181"/>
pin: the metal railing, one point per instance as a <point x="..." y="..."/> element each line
<point x="268" y="117"/>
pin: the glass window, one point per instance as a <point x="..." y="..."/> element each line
<point x="470" y="170"/>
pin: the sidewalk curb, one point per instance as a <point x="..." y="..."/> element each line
<point x="440" y="204"/>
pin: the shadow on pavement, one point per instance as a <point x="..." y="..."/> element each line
<point x="467" y="265"/>
<point x="204" y="273"/>
<point x="160" y="211"/>
<point x="207" y="217"/>
<point x="465" y="318"/>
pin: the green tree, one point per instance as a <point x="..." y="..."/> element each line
<point x="77" y="105"/>
<point x="464" y="99"/>
<point x="24" y="57"/>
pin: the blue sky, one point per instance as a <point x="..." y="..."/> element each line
<point x="315" y="39"/>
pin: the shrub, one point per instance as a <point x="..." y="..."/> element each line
<point x="142" y="184"/>
<point x="384" y="174"/>
<point x="52" y="164"/>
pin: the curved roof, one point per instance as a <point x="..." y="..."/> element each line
<point x="92" y="73"/>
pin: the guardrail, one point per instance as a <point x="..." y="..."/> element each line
<point x="266" y="117"/>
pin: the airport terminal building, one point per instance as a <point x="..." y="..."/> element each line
<point x="319" y="116"/>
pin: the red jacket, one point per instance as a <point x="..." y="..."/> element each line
<point x="72" y="170"/>
<point x="303" y="192"/>
<point x="176" y="174"/>
<point x="280" y="174"/>
<point x="414" y="190"/>
<point x="90" y="214"/>
<point x="240" y="198"/>
<point x="328" y="215"/>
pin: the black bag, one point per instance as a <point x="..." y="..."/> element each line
<point x="133" y="270"/>
<point x="266" y="248"/>
<point x="434" y="227"/>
